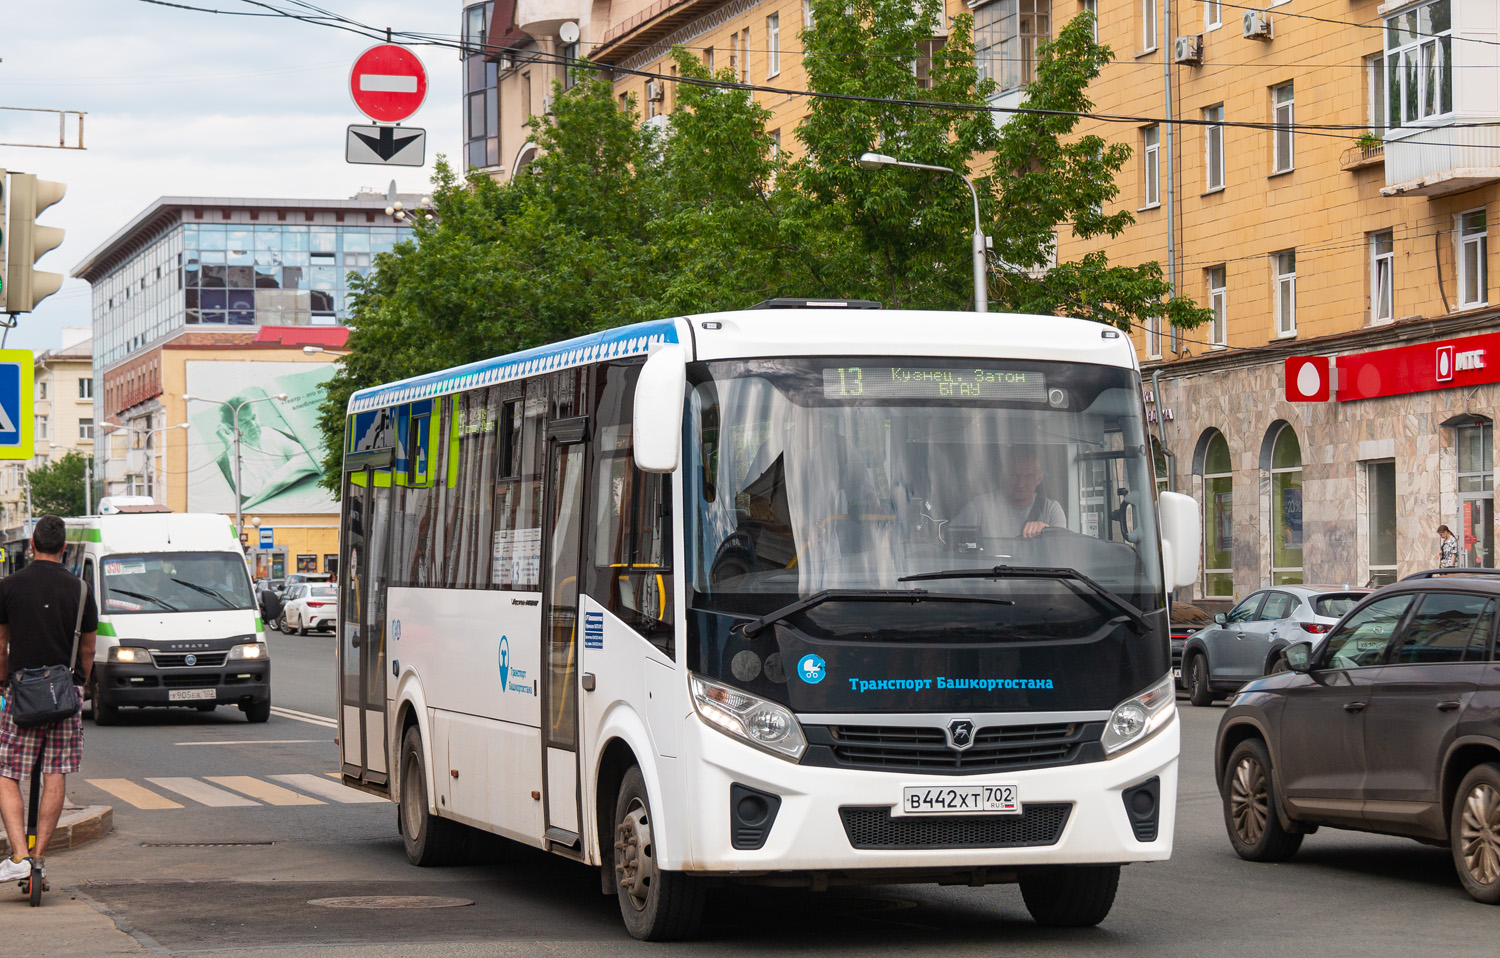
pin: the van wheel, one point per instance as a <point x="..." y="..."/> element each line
<point x="1250" y="807"/>
<point x="257" y="711"/>
<point x="429" y="840"/>
<point x="1070" y="896"/>
<point x="657" y="905"/>
<point x="104" y="712"/>
<point x="1199" y="691"/>
<point x="1474" y="831"/>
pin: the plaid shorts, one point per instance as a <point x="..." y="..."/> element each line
<point x="18" y="746"/>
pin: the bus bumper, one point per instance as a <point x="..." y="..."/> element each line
<point x="239" y="682"/>
<point x="846" y="820"/>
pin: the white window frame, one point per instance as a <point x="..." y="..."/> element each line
<point x="86" y="430"/>
<point x="1213" y="148"/>
<point x="1153" y="337"/>
<point x="1148" y="26"/>
<point x="773" y="45"/>
<point x="1217" y="279"/>
<point x="1284" y="291"/>
<point x="41" y="389"/>
<point x="1413" y="51"/>
<point x="807" y="15"/>
<point x="745" y="55"/>
<point x="42" y="430"/>
<point x="1377" y="112"/>
<point x="1382" y="277"/>
<point x="1471" y="227"/>
<point x="1151" y="166"/>
<point x="1213" y="15"/>
<point x="1092" y="6"/>
<point x="1371" y="466"/>
<point x="1283" y="118"/>
<point x="86" y="387"/>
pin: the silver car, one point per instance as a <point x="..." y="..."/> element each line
<point x="1246" y="643"/>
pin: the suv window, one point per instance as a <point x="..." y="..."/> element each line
<point x="1447" y="627"/>
<point x="1336" y="604"/>
<point x="1245" y="611"/>
<point x="1278" y="605"/>
<point x="1362" y="638"/>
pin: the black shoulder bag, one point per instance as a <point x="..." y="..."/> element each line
<point x="45" y="695"/>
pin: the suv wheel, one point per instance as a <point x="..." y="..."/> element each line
<point x="1250" y="806"/>
<point x="1199" y="692"/>
<point x="1474" y="831"/>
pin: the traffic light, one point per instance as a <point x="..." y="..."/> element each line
<point x="26" y="242"/>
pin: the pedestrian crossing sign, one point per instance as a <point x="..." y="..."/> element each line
<point x="16" y="440"/>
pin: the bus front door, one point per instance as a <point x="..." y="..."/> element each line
<point x="565" y="477"/>
<point x="362" y="648"/>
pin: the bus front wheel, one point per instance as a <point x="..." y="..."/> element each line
<point x="1070" y="896"/>
<point x="657" y="905"/>
<point x="429" y="840"/>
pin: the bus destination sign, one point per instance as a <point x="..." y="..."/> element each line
<point x="917" y="382"/>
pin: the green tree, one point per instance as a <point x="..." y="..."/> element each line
<point x="57" y="487"/>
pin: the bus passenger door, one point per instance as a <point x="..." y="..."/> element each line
<point x="563" y="532"/>
<point x="361" y="628"/>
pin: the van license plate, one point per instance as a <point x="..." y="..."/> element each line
<point x="192" y="695"/>
<point x="970" y="799"/>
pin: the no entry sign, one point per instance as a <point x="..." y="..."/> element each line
<point x="388" y="83"/>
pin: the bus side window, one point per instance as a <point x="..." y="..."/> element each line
<point x="88" y="575"/>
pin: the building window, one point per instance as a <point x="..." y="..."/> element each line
<point x="1153" y="337"/>
<point x="745" y="55"/>
<point x="1091" y="7"/>
<point x="1283" y="116"/>
<point x="86" y="429"/>
<point x="1476" y="494"/>
<point x="570" y="66"/>
<point x="1375" y="91"/>
<point x="1473" y="259"/>
<point x="1381" y="479"/>
<point x="41" y="389"/>
<point x="1419" y="63"/>
<point x="1284" y="290"/>
<point x="1213" y="14"/>
<point x="481" y="91"/>
<point x="773" y="45"/>
<point x="1151" y="166"/>
<point x="807" y="15"/>
<point x="41" y="428"/>
<point x="1286" y="508"/>
<point x="1218" y="520"/>
<point x="1148" y="25"/>
<point x="708" y="59"/>
<point x="1006" y="35"/>
<point x="86" y="388"/>
<point x="1213" y="148"/>
<point x="1218" y="328"/>
<point x="1382" y="277"/>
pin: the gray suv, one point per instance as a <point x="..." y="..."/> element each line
<point x="1390" y="725"/>
<point x="1248" y="641"/>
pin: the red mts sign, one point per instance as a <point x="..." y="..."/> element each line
<point x="388" y="83"/>
<point x="1447" y="364"/>
<point x="1308" y="378"/>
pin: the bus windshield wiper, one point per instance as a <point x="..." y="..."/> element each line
<point x="205" y="590"/>
<point x="1062" y="574"/>
<point x="863" y="595"/>
<point x="149" y="598"/>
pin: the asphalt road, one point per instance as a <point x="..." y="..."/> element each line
<point x="243" y="878"/>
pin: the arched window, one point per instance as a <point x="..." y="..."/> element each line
<point x="1286" y="508"/>
<point x="1218" y="520"/>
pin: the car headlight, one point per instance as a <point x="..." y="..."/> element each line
<point x="751" y="718"/>
<point x="1140" y="716"/>
<point x="250" y="650"/>
<point x="124" y="653"/>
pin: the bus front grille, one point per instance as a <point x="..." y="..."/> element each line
<point x="178" y="660"/>
<point x="875" y="828"/>
<point x="996" y="748"/>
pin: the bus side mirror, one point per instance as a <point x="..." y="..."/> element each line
<point x="657" y="420"/>
<point x="1181" y="538"/>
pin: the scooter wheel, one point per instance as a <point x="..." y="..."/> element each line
<point x="35" y="891"/>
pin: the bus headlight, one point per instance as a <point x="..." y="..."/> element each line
<point x="250" y="650"/>
<point x="762" y="723"/>
<point x="124" y="653"/>
<point x="1140" y="716"/>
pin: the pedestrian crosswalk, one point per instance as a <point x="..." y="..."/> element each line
<point x="232" y="791"/>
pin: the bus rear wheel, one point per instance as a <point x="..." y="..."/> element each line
<point x="657" y="905"/>
<point x="429" y="840"/>
<point x="1070" y="896"/>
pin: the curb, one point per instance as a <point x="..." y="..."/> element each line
<point x="78" y="826"/>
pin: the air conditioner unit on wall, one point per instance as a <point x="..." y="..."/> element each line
<point x="547" y="105"/>
<point x="1188" y="49"/>
<point x="1257" y="24"/>
<point x="656" y="91"/>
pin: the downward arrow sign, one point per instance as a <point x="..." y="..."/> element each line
<point x="386" y="145"/>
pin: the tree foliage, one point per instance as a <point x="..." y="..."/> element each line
<point x="57" y="487"/>
<point x="619" y="221"/>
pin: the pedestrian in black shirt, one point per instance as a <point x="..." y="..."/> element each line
<point x="38" y="609"/>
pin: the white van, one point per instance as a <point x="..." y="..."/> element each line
<point x="178" y="622"/>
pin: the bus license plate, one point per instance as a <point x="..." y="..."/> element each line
<point x="969" y="799"/>
<point x="191" y="695"/>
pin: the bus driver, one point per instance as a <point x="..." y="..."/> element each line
<point x="1017" y="509"/>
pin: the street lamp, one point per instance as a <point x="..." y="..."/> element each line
<point x="874" y="161"/>
<point x="235" y="407"/>
<point x="161" y="450"/>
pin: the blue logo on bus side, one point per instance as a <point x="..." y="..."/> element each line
<point x="504" y="663"/>
<point x="812" y="669"/>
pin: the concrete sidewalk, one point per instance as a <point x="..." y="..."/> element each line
<point x="67" y="925"/>
<point x="79" y="825"/>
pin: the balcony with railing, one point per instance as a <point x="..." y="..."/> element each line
<point x="1442" y="159"/>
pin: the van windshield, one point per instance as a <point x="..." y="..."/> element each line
<point x="174" y="582"/>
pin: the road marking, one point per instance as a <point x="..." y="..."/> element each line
<point x="308" y="717"/>
<point x="329" y="790"/>
<point x="263" y="741"/>
<point x="133" y="794"/>
<point x="265" y="791"/>
<point x="202" y="792"/>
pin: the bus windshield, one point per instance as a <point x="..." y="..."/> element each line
<point x="866" y="475"/>
<point x="174" y="582"/>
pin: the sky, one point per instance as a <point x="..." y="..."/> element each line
<point x="181" y="103"/>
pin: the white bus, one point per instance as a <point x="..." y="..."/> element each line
<point x="748" y="596"/>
